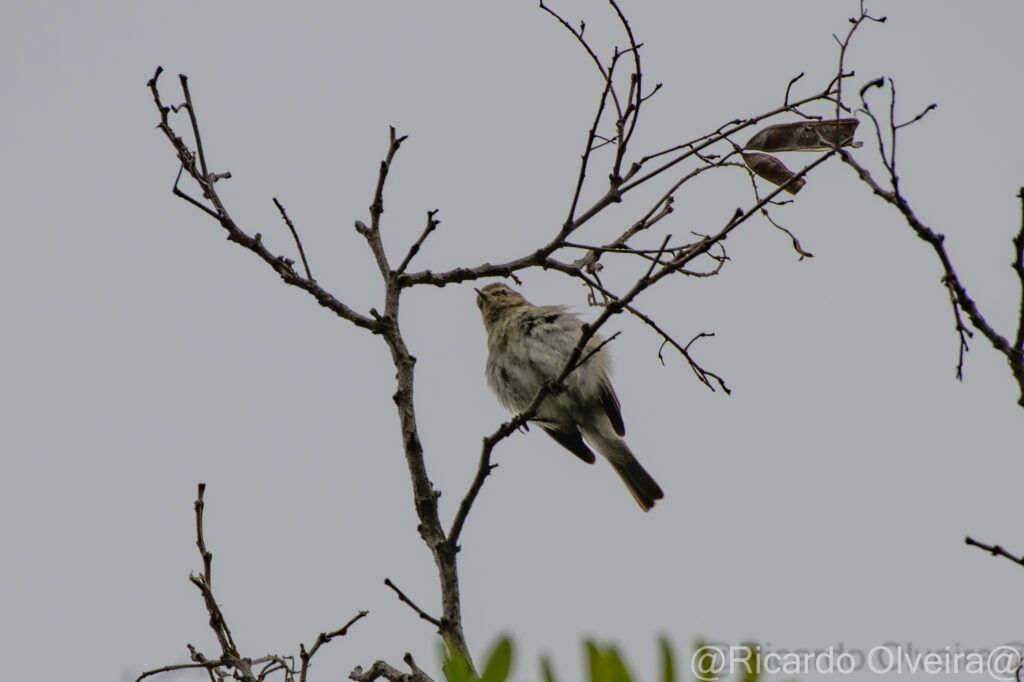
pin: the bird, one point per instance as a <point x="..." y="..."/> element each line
<point x="528" y="346"/>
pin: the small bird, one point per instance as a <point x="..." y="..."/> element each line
<point x="528" y="345"/>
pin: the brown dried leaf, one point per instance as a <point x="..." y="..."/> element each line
<point x="805" y="136"/>
<point x="772" y="170"/>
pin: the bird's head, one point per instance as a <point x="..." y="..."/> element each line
<point x="494" y="299"/>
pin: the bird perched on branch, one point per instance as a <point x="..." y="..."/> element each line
<point x="529" y="345"/>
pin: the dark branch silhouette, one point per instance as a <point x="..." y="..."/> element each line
<point x="231" y="663"/>
<point x="824" y="127"/>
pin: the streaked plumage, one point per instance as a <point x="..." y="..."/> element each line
<point x="528" y="345"/>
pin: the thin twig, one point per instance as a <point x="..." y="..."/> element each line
<point x="844" y="45"/>
<point x="200" y="540"/>
<point x="764" y="212"/>
<point x="994" y="550"/>
<point x="432" y="224"/>
<point x="632" y="112"/>
<point x="579" y="37"/>
<point x="195" y="125"/>
<point x="585" y="158"/>
<point x="402" y="598"/>
<point x="961" y="329"/>
<point x="295" y="234"/>
<point x="792" y="81"/>
<point x="701" y="373"/>
<point x="1018" y="267"/>
<point x="324" y="638"/>
<point x="727" y="130"/>
<point x="209" y="665"/>
<point x="372" y="234"/>
<point x="183" y="195"/>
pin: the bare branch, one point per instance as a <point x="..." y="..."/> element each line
<point x="661" y="209"/>
<point x="916" y="118"/>
<point x="324" y="638"/>
<point x="298" y="242"/>
<point x="585" y="158"/>
<point x="702" y="374"/>
<point x="420" y="612"/>
<point x="432" y="224"/>
<point x="281" y="265"/>
<point x="231" y="662"/>
<point x="181" y="194"/>
<point x="1014" y="355"/>
<point x="789" y="86"/>
<point x="764" y="212"/>
<point x="961" y="329"/>
<point x="372" y="233"/>
<point x="229" y="652"/>
<point x="844" y="45"/>
<point x="209" y="665"/>
<point x="722" y="133"/>
<point x="994" y="550"/>
<point x="381" y="669"/>
<point x="632" y="112"/>
<point x="578" y="34"/>
<point x="542" y="257"/>
<point x="195" y="125"/>
<point x="1018" y="267"/>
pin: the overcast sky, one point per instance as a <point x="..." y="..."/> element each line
<point x="823" y="503"/>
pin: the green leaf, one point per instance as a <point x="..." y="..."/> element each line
<point x="605" y="664"/>
<point x="702" y="660"/>
<point x="752" y="669"/>
<point x="546" y="670"/>
<point x="456" y="668"/>
<point x="597" y="672"/>
<point x="668" y="672"/>
<point x="500" y="662"/>
<point x="616" y="668"/>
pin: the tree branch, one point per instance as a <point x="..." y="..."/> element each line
<point x="994" y="550"/>
<point x="1018" y="267"/>
<point x="1014" y="355"/>
<point x="432" y="224"/>
<point x="665" y="261"/>
<point x="281" y="265"/>
<point x="381" y="669"/>
<point x="324" y="638"/>
<point x="208" y="665"/>
<point x="231" y="662"/>
<point x="372" y="233"/>
<point x="204" y="581"/>
<point x="298" y="242"/>
<point x="404" y="599"/>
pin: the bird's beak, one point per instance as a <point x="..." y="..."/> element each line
<point x="478" y="292"/>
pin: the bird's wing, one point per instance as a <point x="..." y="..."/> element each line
<point x="572" y="441"/>
<point x="610" y="403"/>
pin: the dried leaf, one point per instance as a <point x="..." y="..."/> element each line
<point x="772" y="170"/>
<point x="805" y="136"/>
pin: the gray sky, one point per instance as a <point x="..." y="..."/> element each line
<point x="825" y="502"/>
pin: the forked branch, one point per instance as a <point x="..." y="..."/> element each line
<point x="231" y="663"/>
<point x="887" y="137"/>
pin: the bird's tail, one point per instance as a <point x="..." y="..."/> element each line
<point x="644" y="489"/>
